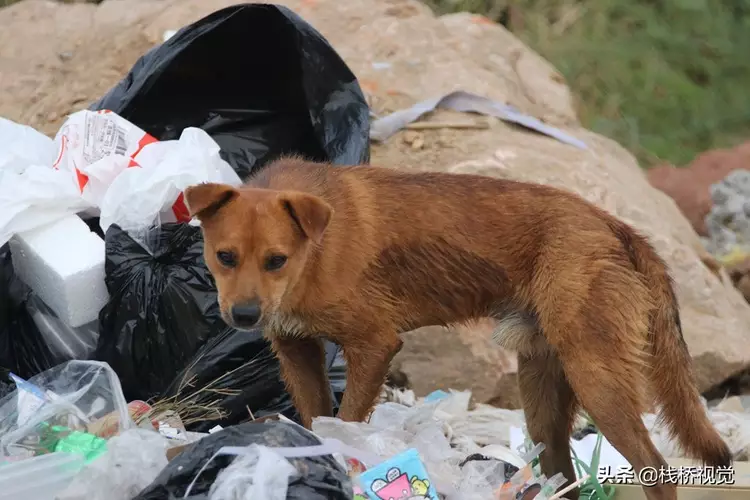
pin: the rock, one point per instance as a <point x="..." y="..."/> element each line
<point x="690" y="186"/>
<point x="418" y="56"/>
<point x="740" y="275"/>
<point x="728" y="221"/>
<point x="461" y="358"/>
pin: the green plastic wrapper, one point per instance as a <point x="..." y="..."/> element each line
<point x="86" y="444"/>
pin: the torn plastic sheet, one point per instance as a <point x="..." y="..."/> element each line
<point x="382" y="128"/>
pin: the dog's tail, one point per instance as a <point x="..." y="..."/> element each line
<point x="671" y="366"/>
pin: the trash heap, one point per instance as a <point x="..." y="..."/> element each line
<point x="105" y="295"/>
<point x="120" y="379"/>
<point x="69" y="434"/>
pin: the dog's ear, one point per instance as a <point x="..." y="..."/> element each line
<point x="204" y="200"/>
<point x="310" y="213"/>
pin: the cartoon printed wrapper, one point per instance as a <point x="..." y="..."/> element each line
<point x="402" y="477"/>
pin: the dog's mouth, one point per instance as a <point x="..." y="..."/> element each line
<point x="243" y="327"/>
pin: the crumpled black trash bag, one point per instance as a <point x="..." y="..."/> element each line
<point x="162" y="306"/>
<point x="163" y="334"/>
<point x="242" y="373"/>
<point x="259" y="80"/>
<point x="321" y="478"/>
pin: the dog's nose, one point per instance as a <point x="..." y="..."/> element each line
<point x="246" y="315"/>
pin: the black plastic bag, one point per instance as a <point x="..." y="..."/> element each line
<point x="21" y="350"/>
<point x="320" y="478"/>
<point x="259" y="80"/>
<point x="162" y="307"/>
<point x="243" y="374"/>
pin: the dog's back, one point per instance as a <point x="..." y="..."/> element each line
<point x="450" y="248"/>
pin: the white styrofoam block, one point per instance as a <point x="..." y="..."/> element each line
<point x="63" y="263"/>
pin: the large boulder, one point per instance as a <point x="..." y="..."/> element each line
<point x="58" y="58"/>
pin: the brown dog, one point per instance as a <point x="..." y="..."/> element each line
<point x="358" y="255"/>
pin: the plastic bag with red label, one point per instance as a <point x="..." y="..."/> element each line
<point x="96" y="147"/>
<point x="133" y="179"/>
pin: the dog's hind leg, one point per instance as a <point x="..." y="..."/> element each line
<point x="601" y="339"/>
<point x="613" y="404"/>
<point x="550" y="408"/>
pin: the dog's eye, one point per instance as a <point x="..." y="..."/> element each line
<point x="227" y="259"/>
<point x="275" y="262"/>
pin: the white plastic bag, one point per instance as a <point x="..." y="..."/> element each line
<point x="152" y="194"/>
<point x="32" y="193"/>
<point x="260" y="473"/>
<point x="39" y="478"/>
<point x="42" y="181"/>
<point x="23" y="146"/>
<point x="36" y="197"/>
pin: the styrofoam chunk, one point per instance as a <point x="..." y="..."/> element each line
<point x="63" y="263"/>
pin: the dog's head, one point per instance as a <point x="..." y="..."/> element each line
<point x="257" y="244"/>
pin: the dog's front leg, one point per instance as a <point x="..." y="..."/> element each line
<point x="303" y="369"/>
<point x="366" y="369"/>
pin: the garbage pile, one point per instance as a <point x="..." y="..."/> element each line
<point x="68" y="434"/>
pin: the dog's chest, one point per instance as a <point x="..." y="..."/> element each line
<point x="288" y="325"/>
